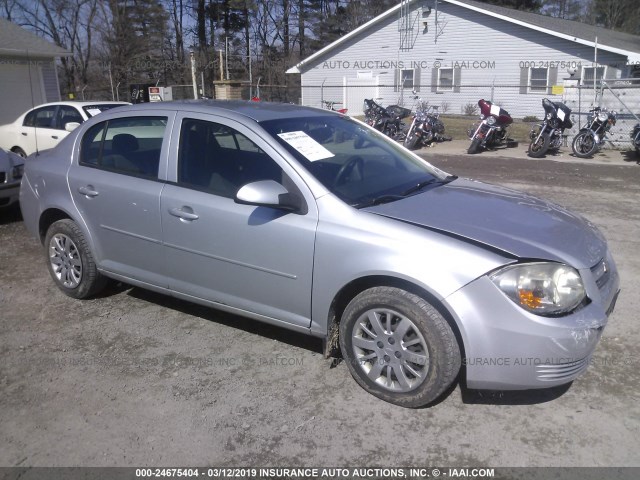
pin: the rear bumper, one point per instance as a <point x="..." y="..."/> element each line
<point x="507" y="348"/>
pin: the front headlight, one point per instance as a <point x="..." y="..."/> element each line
<point x="542" y="288"/>
<point x="491" y="120"/>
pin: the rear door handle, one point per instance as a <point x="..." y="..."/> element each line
<point x="88" y="191"/>
<point x="184" y="213"/>
<point x="25" y="133"/>
<point x="55" y="137"/>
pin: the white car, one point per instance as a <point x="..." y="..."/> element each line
<point x="44" y="126"/>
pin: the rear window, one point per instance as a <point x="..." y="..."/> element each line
<point x="93" y="110"/>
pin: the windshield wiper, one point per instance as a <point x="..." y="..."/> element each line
<point x="392" y="198"/>
<point x="425" y="183"/>
<point x="379" y="200"/>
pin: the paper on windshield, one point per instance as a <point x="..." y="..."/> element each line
<point x="93" y="111"/>
<point x="306" y="145"/>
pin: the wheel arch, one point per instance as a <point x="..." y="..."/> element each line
<point x="357" y="286"/>
<point x="48" y="218"/>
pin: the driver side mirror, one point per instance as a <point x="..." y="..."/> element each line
<point x="71" y="126"/>
<point x="269" y="193"/>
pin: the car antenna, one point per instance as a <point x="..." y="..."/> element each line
<point x="35" y="133"/>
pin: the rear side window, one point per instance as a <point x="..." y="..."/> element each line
<point x="129" y="145"/>
<point x="42" y="117"/>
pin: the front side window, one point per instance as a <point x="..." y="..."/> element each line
<point x="129" y="145"/>
<point x="67" y="114"/>
<point x="218" y="159"/>
<point x="40" y="118"/>
<point x="445" y="79"/>
<point x="538" y="79"/>
<point x="357" y="164"/>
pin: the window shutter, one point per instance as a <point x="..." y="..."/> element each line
<point x="416" y="79"/>
<point x="553" y="78"/>
<point x="434" y="80"/>
<point x="524" y="80"/>
<point x="396" y="80"/>
<point x="457" y="74"/>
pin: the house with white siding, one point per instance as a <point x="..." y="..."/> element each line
<point x="454" y="52"/>
<point x="28" y="75"/>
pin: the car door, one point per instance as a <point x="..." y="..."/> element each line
<point x="116" y="185"/>
<point x="37" y="130"/>
<point x="256" y="259"/>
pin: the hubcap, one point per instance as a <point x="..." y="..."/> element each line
<point x="390" y="350"/>
<point x="65" y="260"/>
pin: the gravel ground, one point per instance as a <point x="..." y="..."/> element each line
<point x="135" y="378"/>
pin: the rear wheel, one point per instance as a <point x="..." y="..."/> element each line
<point x="475" y="145"/>
<point x="584" y="145"/>
<point x="398" y="347"/>
<point x="70" y="261"/>
<point x="19" y="151"/>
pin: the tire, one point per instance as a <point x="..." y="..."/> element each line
<point x="20" y="152"/>
<point x="584" y="145"/>
<point x="410" y="368"/>
<point x="539" y="148"/>
<point x="67" y="247"/>
<point x="411" y="141"/>
<point x="475" y="146"/>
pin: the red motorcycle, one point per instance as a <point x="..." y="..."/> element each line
<point x="492" y="131"/>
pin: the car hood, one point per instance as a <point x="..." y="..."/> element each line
<point x="514" y="222"/>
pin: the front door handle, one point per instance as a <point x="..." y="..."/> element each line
<point x="88" y="191"/>
<point x="55" y="137"/>
<point x="184" y="213"/>
<point x="25" y="133"/>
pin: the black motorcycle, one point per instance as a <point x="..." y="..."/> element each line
<point x="426" y="126"/>
<point x="492" y="130"/>
<point x="635" y="138"/>
<point x="548" y="134"/>
<point x="591" y="137"/>
<point x="386" y="120"/>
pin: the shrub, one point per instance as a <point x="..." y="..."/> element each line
<point x="471" y="109"/>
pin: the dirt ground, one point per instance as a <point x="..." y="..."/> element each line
<point x="133" y="378"/>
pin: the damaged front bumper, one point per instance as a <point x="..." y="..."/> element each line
<point x="507" y="348"/>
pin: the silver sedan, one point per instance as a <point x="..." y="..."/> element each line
<point x="312" y="221"/>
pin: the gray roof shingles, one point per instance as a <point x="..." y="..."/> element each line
<point x="16" y="41"/>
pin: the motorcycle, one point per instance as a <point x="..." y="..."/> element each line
<point x="548" y="134"/>
<point x="426" y="126"/>
<point x="492" y="131"/>
<point x="328" y="105"/>
<point x="591" y="137"/>
<point x="635" y="138"/>
<point x="386" y="120"/>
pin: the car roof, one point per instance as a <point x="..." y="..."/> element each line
<point x="258" y="111"/>
<point x="79" y="104"/>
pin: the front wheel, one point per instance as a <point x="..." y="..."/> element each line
<point x="475" y="145"/>
<point x="398" y="347"/>
<point x="584" y="145"/>
<point x="538" y="147"/>
<point x="412" y="140"/>
<point x="70" y="261"/>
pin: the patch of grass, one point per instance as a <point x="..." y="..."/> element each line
<point x="456" y="126"/>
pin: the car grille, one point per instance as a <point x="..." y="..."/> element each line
<point x="559" y="371"/>
<point x="601" y="273"/>
<point x="3" y="177"/>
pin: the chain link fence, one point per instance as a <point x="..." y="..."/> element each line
<point x="521" y="101"/>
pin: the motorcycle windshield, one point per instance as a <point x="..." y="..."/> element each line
<point x="549" y="107"/>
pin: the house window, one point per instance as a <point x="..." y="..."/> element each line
<point x="588" y="74"/>
<point x="538" y="79"/>
<point x="406" y="78"/>
<point x="445" y="79"/>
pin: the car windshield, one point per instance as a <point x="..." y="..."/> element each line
<point x="93" y="110"/>
<point x="356" y="163"/>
